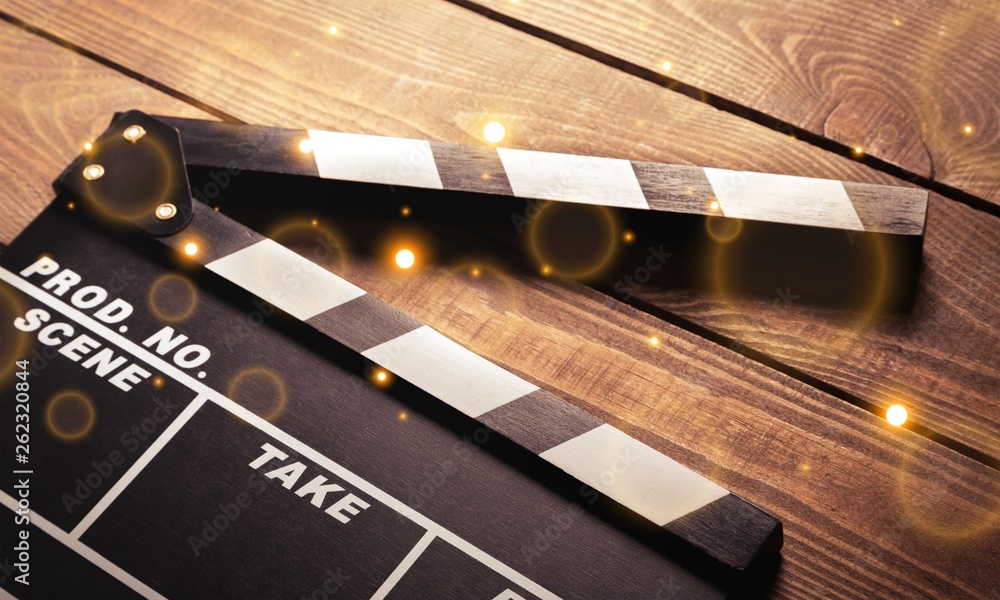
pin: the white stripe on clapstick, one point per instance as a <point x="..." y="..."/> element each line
<point x="457" y="376"/>
<point x="783" y="199"/>
<point x="374" y="159"/>
<point x="297" y="286"/>
<point x="572" y="178"/>
<point x="633" y="474"/>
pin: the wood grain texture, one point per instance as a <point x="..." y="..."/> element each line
<point x="391" y="70"/>
<point x="859" y="500"/>
<point x="867" y="509"/>
<point x="900" y="79"/>
<point x="53" y="101"/>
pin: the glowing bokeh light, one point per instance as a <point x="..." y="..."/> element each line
<point x="654" y="341"/>
<point x="896" y="415"/>
<point x="405" y="258"/>
<point x="667" y="65"/>
<point x="190" y="248"/>
<point x="494" y="132"/>
<point x="305" y="146"/>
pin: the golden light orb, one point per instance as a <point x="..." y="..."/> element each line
<point x="494" y="132"/>
<point x="333" y="30"/>
<point x="896" y="415"/>
<point x="667" y="65"/>
<point x="654" y="341"/>
<point x="190" y="248"/>
<point x="305" y="146"/>
<point x="405" y="258"/>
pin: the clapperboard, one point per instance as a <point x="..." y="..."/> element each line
<point x="210" y="414"/>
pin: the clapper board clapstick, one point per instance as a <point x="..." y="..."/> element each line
<point x="136" y="172"/>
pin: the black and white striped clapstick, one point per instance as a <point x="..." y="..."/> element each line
<point x="642" y="479"/>
<point x="695" y="509"/>
<point x="611" y="182"/>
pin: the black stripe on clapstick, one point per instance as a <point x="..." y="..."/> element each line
<point x="244" y="147"/>
<point x="213" y="238"/>
<point x="363" y="323"/>
<point x="539" y="421"/>
<point x="677" y="189"/>
<point x="471" y="169"/>
<point x="908" y="214"/>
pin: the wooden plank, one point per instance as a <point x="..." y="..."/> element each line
<point x="54" y="101"/>
<point x="853" y="463"/>
<point x="902" y="80"/>
<point x="381" y="85"/>
<point x="847" y="485"/>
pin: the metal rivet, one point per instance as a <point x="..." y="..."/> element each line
<point x="93" y="172"/>
<point x="133" y="133"/>
<point x="165" y="211"/>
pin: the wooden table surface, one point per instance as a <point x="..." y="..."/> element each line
<point x="780" y="400"/>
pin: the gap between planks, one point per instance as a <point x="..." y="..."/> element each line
<point x="738" y="110"/>
<point x="687" y="90"/>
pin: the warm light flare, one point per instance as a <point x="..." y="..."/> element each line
<point x="306" y="146"/>
<point x="896" y="415"/>
<point x="405" y="258"/>
<point x="190" y="248"/>
<point x="494" y="132"/>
